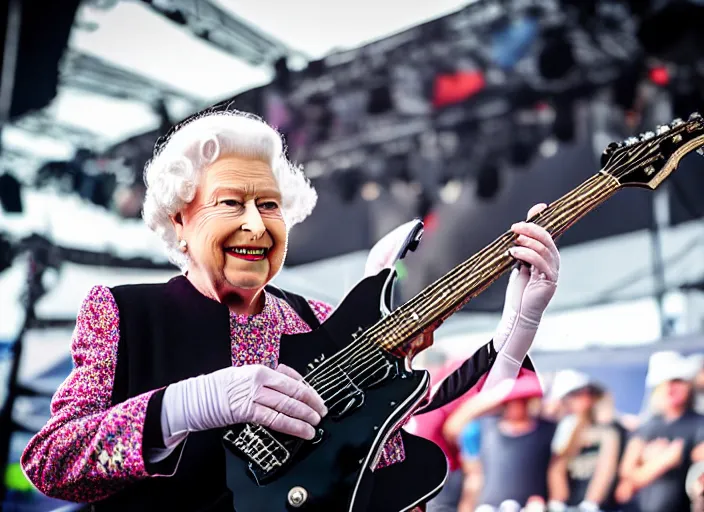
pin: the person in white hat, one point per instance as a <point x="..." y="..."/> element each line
<point x="655" y="464"/>
<point x="698" y="382"/>
<point x="587" y="450"/>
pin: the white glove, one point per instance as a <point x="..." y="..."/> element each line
<point x="529" y="292"/>
<point x="278" y="399"/>
<point x="386" y="251"/>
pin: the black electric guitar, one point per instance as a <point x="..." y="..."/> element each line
<point x="359" y="362"/>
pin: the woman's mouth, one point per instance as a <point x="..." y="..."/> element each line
<point x="247" y="253"/>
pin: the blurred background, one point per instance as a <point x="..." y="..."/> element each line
<point x="461" y="113"/>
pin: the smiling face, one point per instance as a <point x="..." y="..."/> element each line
<point x="234" y="228"/>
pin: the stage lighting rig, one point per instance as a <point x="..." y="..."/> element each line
<point x="673" y="33"/>
<point x="7" y="252"/>
<point x="92" y="74"/>
<point x="557" y="58"/>
<point x="225" y="30"/>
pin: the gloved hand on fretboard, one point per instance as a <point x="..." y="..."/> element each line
<point x="531" y="287"/>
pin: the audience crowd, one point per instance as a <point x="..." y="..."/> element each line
<point x="556" y="443"/>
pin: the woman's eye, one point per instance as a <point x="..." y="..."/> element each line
<point x="230" y="202"/>
<point x="269" y="205"/>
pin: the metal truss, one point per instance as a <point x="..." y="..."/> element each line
<point x="92" y="74"/>
<point x="224" y="30"/>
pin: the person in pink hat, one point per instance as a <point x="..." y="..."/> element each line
<point x="507" y="432"/>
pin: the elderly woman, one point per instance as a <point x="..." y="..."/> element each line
<point x="160" y="369"/>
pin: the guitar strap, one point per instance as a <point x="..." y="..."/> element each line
<point x="299" y="304"/>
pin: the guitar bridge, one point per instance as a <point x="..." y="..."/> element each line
<point x="259" y="446"/>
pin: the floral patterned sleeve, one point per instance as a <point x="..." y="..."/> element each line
<point x="393" y="449"/>
<point x="321" y="309"/>
<point x="90" y="449"/>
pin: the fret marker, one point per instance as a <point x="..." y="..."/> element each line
<point x="415" y="316"/>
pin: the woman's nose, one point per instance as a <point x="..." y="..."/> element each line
<point x="252" y="221"/>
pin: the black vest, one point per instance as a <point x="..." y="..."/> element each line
<point x="170" y="332"/>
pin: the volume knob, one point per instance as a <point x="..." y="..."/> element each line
<point x="297" y="496"/>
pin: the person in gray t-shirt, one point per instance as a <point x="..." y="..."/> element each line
<point x="512" y="448"/>
<point x="659" y="454"/>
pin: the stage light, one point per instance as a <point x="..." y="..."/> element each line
<point x="564" y="124"/>
<point x="370" y="191"/>
<point x="674" y="33"/>
<point x="10" y="194"/>
<point x="349" y="182"/>
<point x="451" y="191"/>
<point x="488" y="181"/>
<point x="549" y="147"/>
<point x="659" y="76"/>
<point x="6" y="253"/>
<point x="557" y="57"/>
<point x="282" y="75"/>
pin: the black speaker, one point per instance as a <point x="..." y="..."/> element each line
<point x="10" y="194"/>
<point x="44" y="27"/>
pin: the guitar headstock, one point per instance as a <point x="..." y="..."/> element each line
<point x="645" y="161"/>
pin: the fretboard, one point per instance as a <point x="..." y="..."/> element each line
<point x="452" y="291"/>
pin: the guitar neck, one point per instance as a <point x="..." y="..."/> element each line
<point x="452" y="291"/>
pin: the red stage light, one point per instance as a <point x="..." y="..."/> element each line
<point x="659" y="76"/>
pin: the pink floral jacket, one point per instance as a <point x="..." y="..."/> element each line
<point x="90" y="449"/>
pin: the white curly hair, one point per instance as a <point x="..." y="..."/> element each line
<point x="174" y="172"/>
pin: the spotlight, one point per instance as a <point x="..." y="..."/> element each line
<point x="674" y="32"/>
<point x="10" y="194"/>
<point x="563" y="126"/>
<point x="549" y="148"/>
<point x="488" y="181"/>
<point x="625" y="88"/>
<point x="370" y="191"/>
<point x="557" y="57"/>
<point x="521" y="153"/>
<point x="6" y="253"/>
<point x="451" y="191"/>
<point x="282" y="77"/>
<point x="348" y="182"/>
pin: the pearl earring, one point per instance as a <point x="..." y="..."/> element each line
<point x="182" y="245"/>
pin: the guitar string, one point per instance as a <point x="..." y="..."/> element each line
<point x="617" y="173"/>
<point x="367" y="347"/>
<point x="371" y="348"/>
<point x="596" y="199"/>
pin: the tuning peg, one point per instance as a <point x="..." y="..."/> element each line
<point x="695" y="116"/>
<point x="676" y="122"/>
<point x="647" y="135"/>
<point x="662" y="129"/>
<point x="631" y="140"/>
<point x="700" y="151"/>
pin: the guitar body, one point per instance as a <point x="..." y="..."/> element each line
<point x="370" y="391"/>
<point x="357" y="362"/>
<point x="334" y="471"/>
